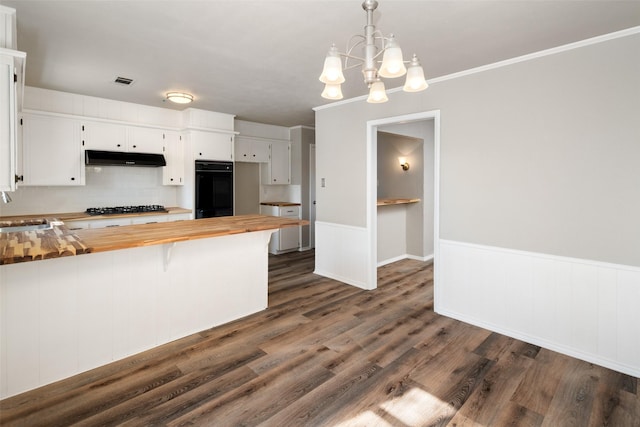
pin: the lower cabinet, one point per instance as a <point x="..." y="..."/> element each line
<point x="116" y="222"/>
<point x="285" y="239"/>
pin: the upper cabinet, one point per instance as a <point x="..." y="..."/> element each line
<point x="8" y="128"/>
<point x="117" y="137"/>
<point x="251" y="151"/>
<point x="52" y="151"/>
<point x="104" y="136"/>
<point x="211" y="145"/>
<point x="278" y="170"/>
<point x="12" y="65"/>
<point x="145" y="140"/>
<point x="173" y="173"/>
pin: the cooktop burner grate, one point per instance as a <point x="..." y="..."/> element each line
<point x="125" y="210"/>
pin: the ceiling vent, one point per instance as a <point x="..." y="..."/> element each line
<point x="123" y="81"/>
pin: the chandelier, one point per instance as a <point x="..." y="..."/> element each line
<point x="374" y="44"/>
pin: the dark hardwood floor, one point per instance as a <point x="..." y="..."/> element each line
<point x="328" y="354"/>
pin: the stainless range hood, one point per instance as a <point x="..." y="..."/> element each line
<point x="115" y="158"/>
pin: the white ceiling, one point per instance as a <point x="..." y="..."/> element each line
<point x="260" y="60"/>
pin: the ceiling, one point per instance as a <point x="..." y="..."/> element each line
<point x="260" y="60"/>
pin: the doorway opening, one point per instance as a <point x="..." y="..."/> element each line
<point x="424" y="126"/>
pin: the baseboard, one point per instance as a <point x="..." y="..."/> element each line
<point x="405" y="256"/>
<point x="563" y="349"/>
<point x="342" y="279"/>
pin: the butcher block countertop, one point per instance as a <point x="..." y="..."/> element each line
<point x="59" y="241"/>
<point x="35" y="245"/>
<point x="386" y="202"/>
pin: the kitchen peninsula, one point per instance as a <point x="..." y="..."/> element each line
<point x="133" y="288"/>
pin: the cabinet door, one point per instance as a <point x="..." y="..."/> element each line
<point x="104" y="136"/>
<point x="211" y="146"/>
<point x="251" y="151"/>
<point x="8" y="121"/>
<point x="280" y="163"/>
<point x="173" y="173"/>
<point x="52" y="151"/>
<point x="145" y="140"/>
<point x="288" y="238"/>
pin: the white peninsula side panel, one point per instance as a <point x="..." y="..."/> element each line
<point x="67" y="315"/>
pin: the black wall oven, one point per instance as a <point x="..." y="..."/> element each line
<point x="214" y="189"/>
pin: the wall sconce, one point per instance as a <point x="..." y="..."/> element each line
<point x="403" y="163"/>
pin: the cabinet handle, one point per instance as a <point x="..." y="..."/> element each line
<point x="171" y="179"/>
<point x="134" y="146"/>
<point x="73" y="178"/>
<point x="118" y="145"/>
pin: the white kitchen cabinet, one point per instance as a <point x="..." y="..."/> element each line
<point x="104" y="136"/>
<point x="285" y="239"/>
<point x="8" y="122"/>
<point x="211" y="145"/>
<point x="145" y="140"/>
<point x="173" y="172"/>
<point x="251" y="151"/>
<point x="117" y="137"/>
<point x="122" y="221"/>
<point x="52" y="151"/>
<point x="278" y="169"/>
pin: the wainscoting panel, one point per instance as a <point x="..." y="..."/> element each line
<point x="343" y="253"/>
<point x="582" y="308"/>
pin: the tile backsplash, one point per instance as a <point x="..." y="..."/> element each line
<point x="105" y="186"/>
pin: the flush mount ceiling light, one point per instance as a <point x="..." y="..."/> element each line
<point x="374" y="44"/>
<point x="179" y="97"/>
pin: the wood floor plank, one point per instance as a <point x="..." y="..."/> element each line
<point x="492" y="399"/>
<point x="539" y="385"/>
<point x="576" y="392"/>
<point x="264" y="396"/>
<point x="328" y="354"/>
<point x="181" y="403"/>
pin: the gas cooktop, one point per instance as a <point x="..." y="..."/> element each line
<point x="125" y="210"/>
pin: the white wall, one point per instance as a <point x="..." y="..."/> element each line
<point x="542" y="152"/>
<point x="538" y="155"/>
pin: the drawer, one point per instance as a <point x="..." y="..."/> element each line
<point x="289" y="211"/>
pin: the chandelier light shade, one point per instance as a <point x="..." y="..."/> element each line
<point x="377" y="93"/>
<point x="392" y="64"/>
<point x="374" y="45"/>
<point x="332" y="71"/>
<point x="415" y="77"/>
<point x="332" y="91"/>
<point x="180" y="97"/>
